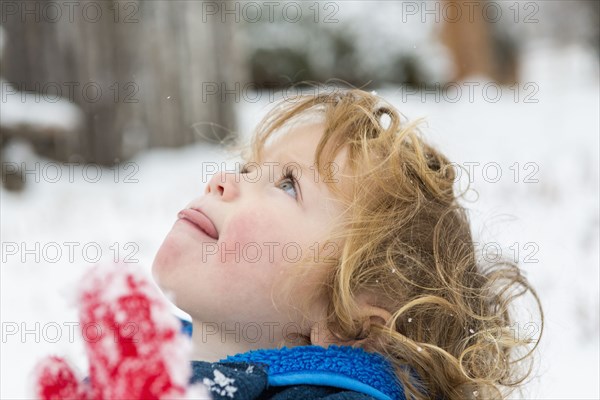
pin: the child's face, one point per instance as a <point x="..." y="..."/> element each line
<point x="264" y="225"/>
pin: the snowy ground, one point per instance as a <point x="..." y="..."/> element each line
<point x="554" y="220"/>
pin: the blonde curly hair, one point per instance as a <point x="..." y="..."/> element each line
<point x="407" y="240"/>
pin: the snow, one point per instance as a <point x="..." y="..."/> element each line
<point x="554" y="221"/>
<point x="46" y="110"/>
<point x="221" y="384"/>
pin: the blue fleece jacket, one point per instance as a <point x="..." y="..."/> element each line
<point x="303" y="372"/>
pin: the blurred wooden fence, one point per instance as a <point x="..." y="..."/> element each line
<point x="139" y="70"/>
<point x="474" y="47"/>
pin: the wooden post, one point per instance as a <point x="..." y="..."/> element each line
<point x="472" y="43"/>
<point x="137" y="69"/>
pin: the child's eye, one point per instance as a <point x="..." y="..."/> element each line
<point x="288" y="182"/>
<point x="288" y="186"/>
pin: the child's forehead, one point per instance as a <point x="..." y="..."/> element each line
<point x="298" y="143"/>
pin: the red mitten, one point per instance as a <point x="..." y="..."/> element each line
<point x="132" y="340"/>
<point x="56" y="380"/>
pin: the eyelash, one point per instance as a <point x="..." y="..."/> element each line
<point x="288" y="173"/>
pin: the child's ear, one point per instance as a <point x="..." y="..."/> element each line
<point x="321" y="336"/>
<point x="376" y="314"/>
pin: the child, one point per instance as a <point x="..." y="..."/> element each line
<point x="338" y="264"/>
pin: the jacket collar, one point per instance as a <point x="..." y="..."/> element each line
<point x="344" y="367"/>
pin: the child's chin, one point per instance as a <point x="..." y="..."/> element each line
<point x="165" y="259"/>
<point x="164" y="278"/>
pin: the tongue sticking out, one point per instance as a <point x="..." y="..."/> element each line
<point x="199" y="219"/>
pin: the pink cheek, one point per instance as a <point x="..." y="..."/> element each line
<point x="248" y="235"/>
<point x="242" y="230"/>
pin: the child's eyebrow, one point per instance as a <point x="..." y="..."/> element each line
<point x="305" y="170"/>
<point x="287" y="160"/>
<point x="308" y="172"/>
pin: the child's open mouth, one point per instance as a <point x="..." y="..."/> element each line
<point x="200" y="221"/>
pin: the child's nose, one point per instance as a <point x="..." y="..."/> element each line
<point x="224" y="184"/>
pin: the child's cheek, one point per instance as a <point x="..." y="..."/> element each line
<point x="253" y="239"/>
<point x="243" y="242"/>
